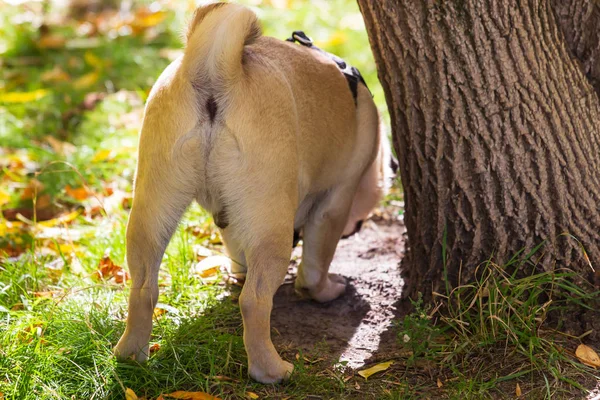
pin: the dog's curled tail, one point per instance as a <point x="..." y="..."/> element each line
<point x="216" y="38"/>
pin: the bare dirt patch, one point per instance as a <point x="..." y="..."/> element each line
<point x="356" y="326"/>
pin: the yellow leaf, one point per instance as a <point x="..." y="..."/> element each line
<point x="64" y="219"/>
<point x="92" y="59"/>
<point x="4" y="197"/>
<point x="130" y="394"/>
<point x="56" y="74"/>
<point x="191" y="395"/>
<point x="103" y="155"/>
<point x="8" y="227"/>
<point x="144" y="20"/>
<point x="366" y="373"/>
<point x="587" y="355"/>
<point x="251" y="395"/>
<point x="23" y="97"/>
<point x="86" y="80"/>
<point x="439" y="383"/>
<point x="518" y="390"/>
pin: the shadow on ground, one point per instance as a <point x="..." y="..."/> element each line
<point x="359" y="324"/>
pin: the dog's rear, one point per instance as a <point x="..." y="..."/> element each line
<point x="267" y="137"/>
<point x="177" y="135"/>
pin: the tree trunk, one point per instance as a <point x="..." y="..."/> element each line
<point x="580" y="23"/>
<point x="497" y="131"/>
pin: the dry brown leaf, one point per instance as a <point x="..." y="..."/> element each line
<point x="587" y="355"/>
<point x="107" y="269"/>
<point x="47" y="295"/>
<point x="51" y="41"/>
<point x="80" y="193"/>
<point x="33" y="188"/>
<point x="366" y="373"/>
<point x="56" y="74"/>
<point x="60" y="147"/>
<point x="518" y="390"/>
<point x="439" y="383"/>
<point x="154" y="348"/>
<point x="191" y="395"/>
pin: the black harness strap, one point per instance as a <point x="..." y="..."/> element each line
<point x="352" y="74"/>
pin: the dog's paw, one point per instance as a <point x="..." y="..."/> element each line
<point x="129" y="348"/>
<point x="334" y="287"/>
<point x="281" y="371"/>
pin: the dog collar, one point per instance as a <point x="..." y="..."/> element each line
<point x="352" y="74"/>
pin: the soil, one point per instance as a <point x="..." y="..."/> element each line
<point x="360" y="324"/>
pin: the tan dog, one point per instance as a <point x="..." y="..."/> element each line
<point x="265" y="135"/>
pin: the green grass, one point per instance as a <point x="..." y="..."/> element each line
<point x="500" y="330"/>
<point x="58" y="323"/>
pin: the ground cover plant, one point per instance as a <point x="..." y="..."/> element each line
<point x="73" y="81"/>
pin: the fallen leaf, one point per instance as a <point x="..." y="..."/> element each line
<point x="92" y="59"/>
<point x="154" y="348"/>
<point x="191" y="395"/>
<point x="211" y="265"/>
<point x="80" y="193"/>
<point x="56" y="74"/>
<point x="60" y="147"/>
<point x="33" y="188"/>
<point x="439" y="383"/>
<point x="63" y="219"/>
<point x="251" y="395"/>
<point x="518" y="390"/>
<point x="51" y="42"/>
<point x="107" y="269"/>
<point x="4" y="197"/>
<point x="86" y="80"/>
<point x="144" y="20"/>
<point x="103" y="155"/>
<point x="366" y="373"/>
<point x="130" y="394"/>
<point x="47" y="295"/>
<point x="588" y="356"/>
<point x="23" y="97"/>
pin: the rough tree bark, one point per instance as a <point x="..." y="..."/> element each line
<point x="580" y="23"/>
<point x="497" y="131"/>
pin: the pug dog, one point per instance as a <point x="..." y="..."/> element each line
<point x="270" y="137"/>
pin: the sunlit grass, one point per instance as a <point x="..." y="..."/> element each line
<point x="76" y="126"/>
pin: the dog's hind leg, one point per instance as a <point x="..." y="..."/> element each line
<point x="322" y="232"/>
<point x="164" y="188"/>
<point x="264" y="224"/>
<point x="268" y="260"/>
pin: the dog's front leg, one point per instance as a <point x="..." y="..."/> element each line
<point x="267" y="265"/>
<point x="321" y="235"/>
